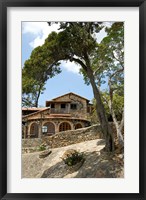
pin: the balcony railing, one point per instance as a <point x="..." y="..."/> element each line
<point x="59" y="111"/>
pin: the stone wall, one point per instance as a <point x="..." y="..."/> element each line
<point x="31" y="142"/>
<point x="65" y="138"/>
<point x="81" y="111"/>
<point x="73" y="136"/>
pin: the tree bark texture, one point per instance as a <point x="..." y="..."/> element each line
<point x="101" y="114"/>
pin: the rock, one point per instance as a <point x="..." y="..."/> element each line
<point x="76" y="167"/>
<point x="44" y="154"/>
<point x="100" y="174"/>
<point x="97" y="164"/>
<point x="44" y="144"/>
<point x="48" y="147"/>
<point x="68" y="153"/>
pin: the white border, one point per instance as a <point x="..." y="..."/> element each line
<point x="130" y="184"/>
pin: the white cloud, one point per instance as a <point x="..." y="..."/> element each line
<point x="71" y="67"/>
<point x="32" y="27"/>
<point x="38" y="41"/>
<point x="40" y="31"/>
<point x="100" y="36"/>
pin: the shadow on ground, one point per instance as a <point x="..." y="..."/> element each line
<point x="59" y="170"/>
<point x="100" y="142"/>
<point x="96" y="165"/>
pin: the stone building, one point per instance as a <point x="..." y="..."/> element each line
<point x="66" y="112"/>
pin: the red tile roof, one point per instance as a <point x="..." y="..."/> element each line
<point x="60" y="117"/>
<point x="32" y="109"/>
<point x="39" y="111"/>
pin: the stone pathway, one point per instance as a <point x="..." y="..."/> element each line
<point x="96" y="165"/>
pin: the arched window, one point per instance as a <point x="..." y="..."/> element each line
<point x="64" y="126"/>
<point x="78" y="126"/>
<point x="34" y="130"/>
<point x="50" y="128"/>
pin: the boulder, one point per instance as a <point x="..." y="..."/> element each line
<point x="68" y="153"/>
<point x="44" y="153"/>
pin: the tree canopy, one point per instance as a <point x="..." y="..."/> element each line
<point x="37" y="70"/>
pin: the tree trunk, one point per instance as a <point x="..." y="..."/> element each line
<point x="119" y="130"/>
<point x="118" y="126"/>
<point x="99" y="105"/>
<point x="101" y="114"/>
<point x="37" y="97"/>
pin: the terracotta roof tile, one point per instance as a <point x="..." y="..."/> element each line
<point x="32" y="109"/>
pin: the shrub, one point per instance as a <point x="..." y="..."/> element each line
<point x="73" y="158"/>
<point x="42" y="147"/>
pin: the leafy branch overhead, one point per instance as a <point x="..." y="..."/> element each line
<point x="37" y="70"/>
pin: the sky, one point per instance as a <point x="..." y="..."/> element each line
<point x="69" y="80"/>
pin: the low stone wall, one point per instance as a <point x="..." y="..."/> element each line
<point x="66" y="138"/>
<point x="33" y="142"/>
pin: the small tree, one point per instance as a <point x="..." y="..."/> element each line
<point x="35" y="73"/>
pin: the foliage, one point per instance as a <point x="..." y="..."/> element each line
<point x="42" y="147"/>
<point x="118" y="104"/>
<point x="111" y="58"/>
<point x="35" y="73"/>
<point x="108" y="68"/>
<point x="108" y="59"/>
<point x="73" y="158"/>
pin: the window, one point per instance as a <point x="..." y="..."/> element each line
<point x="78" y="126"/>
<point x="74" y="106"/>
<point x="34" y="130"/>
<point x="50" y="128"/>
<point x="64" y="126"/>
<point x="63" y="105"/>
<point x="88" y="109"/>
<point x="52" y="105"/>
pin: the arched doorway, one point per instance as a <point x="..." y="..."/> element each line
<point x="50" y="128"/>
<point x="64" y="126"/>
<point x="77" y="126"/>
<point x="34" y="130"/>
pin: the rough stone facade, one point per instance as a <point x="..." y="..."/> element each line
<point x="67" y="112"/>
<point x="80" y="102"/>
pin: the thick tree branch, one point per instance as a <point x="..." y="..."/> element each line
<point x="121" y="63"/>
<point x="116" y="72"/>
<point x="80" y="63"/>
<point x="117" y="125"/>
<point x="122" y="121"/>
